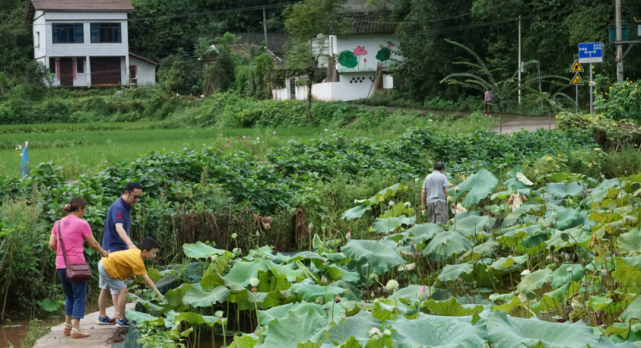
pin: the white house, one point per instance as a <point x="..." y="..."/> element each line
<point x="85" y="43"/>
<point x="370" y="43"/>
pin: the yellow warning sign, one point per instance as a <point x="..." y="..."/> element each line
<point x="576" y="67"/>
<point x="577" y="80"/>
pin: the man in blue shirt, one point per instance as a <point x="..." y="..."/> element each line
<point x="117" y="227"/>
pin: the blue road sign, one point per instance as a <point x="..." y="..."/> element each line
<point x="591" y="52"/>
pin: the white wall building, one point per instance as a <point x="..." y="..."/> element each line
<point x="358" y="55"/>
<point x="85" y="43"/>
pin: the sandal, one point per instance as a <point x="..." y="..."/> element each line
<point x="106" y="321"/>
<point x="67" y="330"/>
<point x="77" y="333"/>
<point x="122" y="323"/>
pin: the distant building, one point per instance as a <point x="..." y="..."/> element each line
<point x="85" y="43"/>
<point x="366" y="52"/>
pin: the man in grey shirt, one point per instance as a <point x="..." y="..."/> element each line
<point x="435" y="193"/>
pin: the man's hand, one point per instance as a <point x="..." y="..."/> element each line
<point x="132" y="246"/>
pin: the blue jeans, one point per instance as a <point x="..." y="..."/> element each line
<point x="76" y="294"/>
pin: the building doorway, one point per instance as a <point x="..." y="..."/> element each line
<point x="105" y="71"/>
<point x="66" y="72"/>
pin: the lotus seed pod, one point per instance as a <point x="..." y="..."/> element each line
<point x="374" y="332"/>
<point x="569" y="269"/>
<point x="349" y="235"/>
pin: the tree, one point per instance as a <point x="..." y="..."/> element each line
<point x="554" y="99"/>
<point x="482" y="79"/>
<point x="309" y="23"/>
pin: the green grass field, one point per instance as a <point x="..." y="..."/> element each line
<point x="101" y="149"/>
<point x="88" y="148"/>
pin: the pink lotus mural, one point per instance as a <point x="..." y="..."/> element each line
<point x="361" y="51"/>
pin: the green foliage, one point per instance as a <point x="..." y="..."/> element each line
<point x="179" y="74"/>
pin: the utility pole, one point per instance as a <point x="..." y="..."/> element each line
<point x="521" y="64"/>
<point x="619" y="38"/>
<point x="265" y="28"/>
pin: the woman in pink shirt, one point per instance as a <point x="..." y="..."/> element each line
<point x="75" y="232"/>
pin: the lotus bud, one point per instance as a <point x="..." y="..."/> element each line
<point x="214" y="258"/>
<point x="323" y="280"/>
<point x="257" y="233"/>
<point x="422" y="294"/>
<point x="566" y="256"/>
<point x="372" y="294"/>
<point x="392" y="285"/>
<point x="311" y="225"/>
<point x="569" y="269"/>
<point x="344" y="316"/>
<point x="219" y="314"/>
<point x="407" y="205"/>
<point x="349" y="235"/>
<point x="616" y="252"/>
<point x="555" y="259"/>
<point x="527" y="271"/>
<point x="374" y="332"/>
<point x="387" y="333"/>
<point x="391" y="203"/>
<point x="254" y="282"/>
<point x="457" y="189"/>
<point x="337" y="299"/>
<point x="381" y="199"/>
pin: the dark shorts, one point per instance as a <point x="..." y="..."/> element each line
<point x="437" y="213"/>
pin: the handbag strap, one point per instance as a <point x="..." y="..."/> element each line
<point x="62" y="244"/>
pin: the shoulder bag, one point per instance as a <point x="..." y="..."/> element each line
<point x="76" y="272"/>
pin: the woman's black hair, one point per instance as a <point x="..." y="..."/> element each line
<point x="75" y="204"/>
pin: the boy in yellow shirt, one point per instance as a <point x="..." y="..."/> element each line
<point x="115" y="269"/>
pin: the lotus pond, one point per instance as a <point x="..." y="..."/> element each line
<point x="561" y="270"/>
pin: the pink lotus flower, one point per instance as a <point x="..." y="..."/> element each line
<point x="365" y="60"/>
<point x="349" y="235"/>
<point x="422" y="294"/>
<point x="323" y="280"/>
<point x="390" y="45"/>
<point x="360" y="51"/>
<point x="274" y="132"/>
<point x="244" y="137"/>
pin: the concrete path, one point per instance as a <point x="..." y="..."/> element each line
<point x="98" y="339"/>
<point x="511" y="123"/>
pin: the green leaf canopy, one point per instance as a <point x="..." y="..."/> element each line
<point x="200" y="250"/>
<point x="294" y="328"/>
<point x="446" y="244"/>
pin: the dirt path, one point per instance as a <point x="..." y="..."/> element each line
<point x="511" y="122"/>
<point x="98" y="339"/>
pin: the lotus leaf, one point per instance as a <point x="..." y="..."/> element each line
<point x="450" y="308"/>
<point x="534" y="280"/>
<point x="348" y="59"/>
<point x="380" y="255"/>
<point x="453" y="272"/>
<point x="409" y="294"/>
<point x="246" y="341"/>
<point x="300" y="308"/>
<point x="509" y="305"/>
<point x="198" y="298"/>
<point x="356" y="326"/>
<point x="435" y="331"/>
<point x="200" y="250"/>
<point x="175" y="296"/>
<point x="560" y="190"/>
<point x="562" y="219"/>
<point x="562" y="275"/>
<point x="510" y="332"/>
<point x="506" y="263"/>
<point x="630" y="242"/>
<point x="140" y="318"/>
<point x="478" y="186"/>
<point x="482" y="250"/>
<point x="633" y="311"/>
<point x="310" y="291"/>
<point x="564" y="291"/>
<point x="384" y="54"/>
<point x="353" y="294"/>
<point x="294" y="328"/>
<point x="575" y="235"/>
<point x="446" y="244"/>
<point x="390" y="224"/>
<point x="389" y="310"/>
<point x="398" y="210"/>
<point x="473" y="225"/>
<point x="627" y="270"/>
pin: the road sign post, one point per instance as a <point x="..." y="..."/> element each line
<point x="591" y="53"/>
<point x="577" y="69"/>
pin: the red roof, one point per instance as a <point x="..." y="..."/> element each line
<point x="83" y="5"/>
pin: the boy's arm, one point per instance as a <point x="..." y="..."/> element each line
<point x="151" y="284"/>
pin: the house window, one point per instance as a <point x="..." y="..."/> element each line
<point x="132" y="71"/>
<point x="80" y="65"/>
<point x="67" y="33"/>
<point x="52" y="65"/>
<point x="38" y="34"/>
<point x="105" y="32"/>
